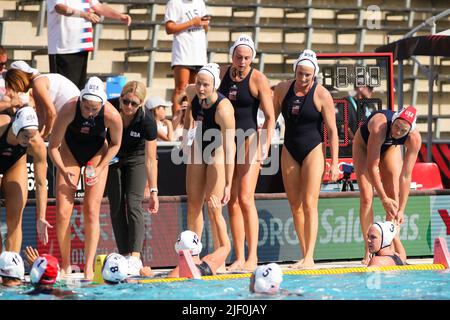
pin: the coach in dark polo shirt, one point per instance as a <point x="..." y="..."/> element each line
<point x="135" y="163"/>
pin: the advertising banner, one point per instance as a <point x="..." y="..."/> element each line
<point x="339" y="234"/>
<point x="161" y="231"/>
<point x="440" y="219"/>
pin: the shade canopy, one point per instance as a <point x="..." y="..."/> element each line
<point x="432" y="45"/>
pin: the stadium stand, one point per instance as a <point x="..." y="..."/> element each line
<point x="280" y="28"/>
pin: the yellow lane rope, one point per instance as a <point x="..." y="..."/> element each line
<point x="316" y="272"/>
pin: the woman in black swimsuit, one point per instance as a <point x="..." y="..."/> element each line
<point x="79" y="136"/>
<point x="19" y="137"/>
<point x="306" y="106"/>
<point x="379" y="163"/>
<point x="209" y="171"/>
<point x="247" y="89"/>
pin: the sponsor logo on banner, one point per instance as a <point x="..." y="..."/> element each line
<point x="339" y="235"/>
<point x="440" y="218"/>
<point x="161" y="232"/>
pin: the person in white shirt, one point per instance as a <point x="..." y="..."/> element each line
<point x="70" y="35"/>
<point x="158" y="105"/>
<point x="188" y="21"/>
<point x="50" y="91"/>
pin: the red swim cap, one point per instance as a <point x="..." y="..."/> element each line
<point x="45" y="270"/>
<point x="408" y="114"/>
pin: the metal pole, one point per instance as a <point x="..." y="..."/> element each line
<point x="97" y="31"/>
<point x="430" y="101"/>
<point x="400" y="84"/>
<point x="41" y="18"/>
<point x="151" y="58"/>
<point x="430" y="111"/>
<point x="428" y="22"/>
<point x="310" y="30"/>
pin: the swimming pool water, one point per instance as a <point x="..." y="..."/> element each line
<point x="404" y="285"/>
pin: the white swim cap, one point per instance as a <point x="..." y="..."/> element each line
<point x="307" y="58"/>
<point x="268" y="278"/>
<point x="23" y="66"/>
<point x="243" y="40"/>
<point x="188" y="240"/>
<point x="11" y="265"/>
<point x="388" y="230"/>
<point x="213" y="70"/>
<point x="134" y="265"/>
<point x="26" y="118"/>
<point x="94" y="90"/>
<point x="115" y="268"/>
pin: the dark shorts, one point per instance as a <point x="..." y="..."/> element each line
<point x="192" y="68"/>
<point x="71" y="65"/>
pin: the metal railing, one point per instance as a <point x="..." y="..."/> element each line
<point x="431" y="23"/>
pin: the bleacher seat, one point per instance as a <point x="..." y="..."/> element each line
<point x="280" y="30"/>
<point x="427" y="176"/>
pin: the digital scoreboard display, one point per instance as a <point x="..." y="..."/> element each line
<point x="359" y="83"/>
<point x="342" y="74"/>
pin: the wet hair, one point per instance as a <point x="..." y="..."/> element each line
<point x="18" y="80"/>
<point x="135" y="87"/>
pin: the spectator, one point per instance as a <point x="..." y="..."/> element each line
<point x="19" y="137"/>
<point x="50" y="91"/>
<point x="165" y="128"/>
<point x="359" y="106"/>
<point x="278" y="132"/>
<point x="247" y="89"/>
<point x="136" y="163"/>
<point x="79" y="136"/>
<point x="70" y="35"/>
<point x="12" y="269"/>
<point x="378" y="164"/>
<point x="279" y="126"/>
<point x="188" y="22"/>
<point x="178" y="120"/>
<point x="306" y="106"/>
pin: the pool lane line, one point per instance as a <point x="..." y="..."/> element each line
<point x="324" y="271"/>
